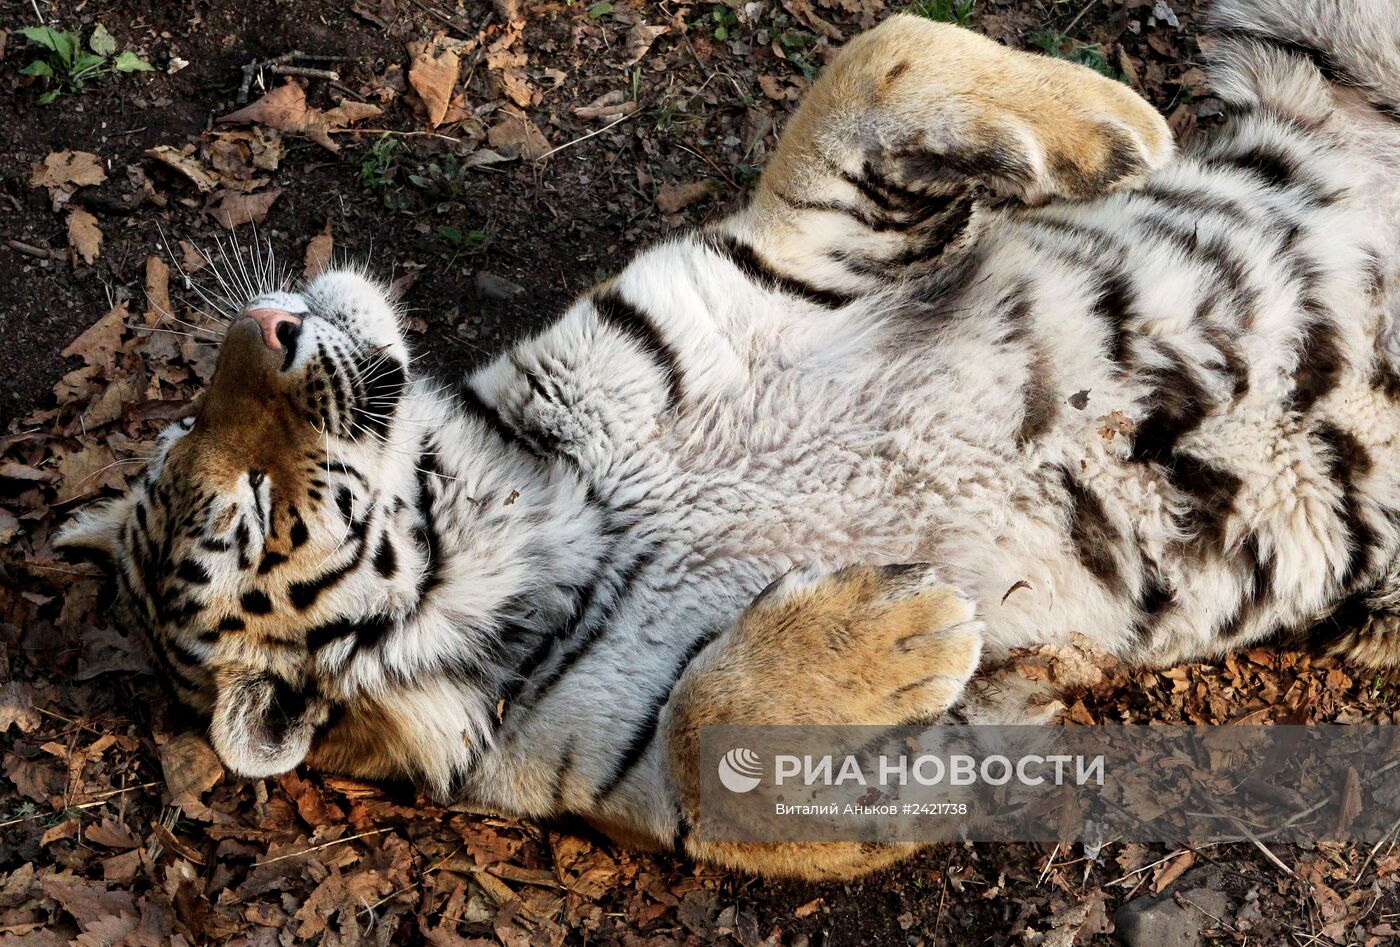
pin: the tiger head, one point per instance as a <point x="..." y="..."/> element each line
<point x="269" y="515"/>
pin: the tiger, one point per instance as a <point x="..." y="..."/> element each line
<point x="981" y="326"/>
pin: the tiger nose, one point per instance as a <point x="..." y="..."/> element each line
<point x="279" y="327"/>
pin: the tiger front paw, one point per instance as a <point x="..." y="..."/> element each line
<point x="885" y="644"/>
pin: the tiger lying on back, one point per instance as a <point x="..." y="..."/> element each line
<point x="533" y="592"/>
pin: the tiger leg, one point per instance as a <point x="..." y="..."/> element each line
<point x="913" y="129"/>
<point x="1365" y="628"/>
<point x="860" y="646"/>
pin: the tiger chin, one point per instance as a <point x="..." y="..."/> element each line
<point x="785" y="469"/>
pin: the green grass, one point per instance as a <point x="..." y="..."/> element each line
<point x="1085" y="54"/>
<point x="380" y="162"/>
<point x="66" y="66"/>
<point x="945" y="11"/>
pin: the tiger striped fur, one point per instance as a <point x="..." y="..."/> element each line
<point x="977" y="315"/>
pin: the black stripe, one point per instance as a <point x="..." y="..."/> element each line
<point x="381" y="396"/>
<point x="626" y="318"/>
<point x="192" y="572"/>
<point x="300" y="534"/>
<point x="303" y="594"/>
<point x="1348" y="461"/>
<point x="427" y="533"/>
<point x="256" y="602"/>
<point x="1211" y="491"/>
<point x="1091" y="531"/>
<point x="748" y="262"/>
<point x="385" y="559"/>
<point x="1320" y="363"/>
<point x="270" y="561"/>
<point x="643" y="736"/>
<point x="1179" y="404"/>
<point x="473" y="405"/>
<point x="242" y="538"/>
<point x="367" y="632"/>
<point x="595" y="632"/>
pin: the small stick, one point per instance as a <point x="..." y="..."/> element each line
<point x="99" y="801"/>
<point x="317" y="848"/>
<point x="28" y="249"/>
<point x="1374" y="849"/>
<point x="278" y="65"/>
<point x="570" y="144"/>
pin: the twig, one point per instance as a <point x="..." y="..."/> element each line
<point x="1376" y="848"/>
<point x="28" y="249"/>
<point x="716" y="168"/>
<point x="35" y="5"/>
<point x="317" y="848"/>
<point x="99" y="801"/>
<point x="278" y="66"/>
<point x="464" y="29"/>
<point x="396" y="132"/>
<point x="570" y="144"/>
<point x="1079" y="16"/>
<point x="1254" y="839"/>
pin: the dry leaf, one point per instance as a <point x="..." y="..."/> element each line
<point x="674" y="197"/>
<point x="112" y="834"/>
<point x="186" y="164"/>
<point x="318" y="252"/>
<point x="382" y="13"/>
<point x="285" y="109"/>
<point x="86" y="471"/>
<point x="68" y="169"/>
<point x="84" y="236"/>
<point x="157" y="290"/>
<point x="432" y="77"/>
<point x="190" y="765"/>
<point x="191" y="259"/>
<point x="17" y="707"/>
<point x="232" y="209"/>
<point x="639" y="40"/>
<point x="1172" y="870"/>
<point x="516" y="135"/>
<point x="99" y="343"/>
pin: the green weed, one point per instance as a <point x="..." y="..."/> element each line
<point x="66" y="66"/>
<point x="945" y="11"/>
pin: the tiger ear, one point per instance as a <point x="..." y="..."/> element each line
<point x="95" y="531"/>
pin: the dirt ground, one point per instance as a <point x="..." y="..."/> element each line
<point x="493" y="159"/>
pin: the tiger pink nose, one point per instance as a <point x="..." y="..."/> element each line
<point x="279" y="327"/>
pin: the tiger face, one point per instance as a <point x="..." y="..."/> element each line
<point x="268" y="516"/>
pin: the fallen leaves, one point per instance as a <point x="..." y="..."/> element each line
<point x="67" y="170"/>
<point x="1168" y="872"/>
<point x="639" y="40"/>
<point x="433" y="75"/>
<point x="84" y="236"/>
<point x="184" y="161"/>
<point x="99" y="343"/>
<point x="672" y="198"/>
<point x="514" y="135"/>
<point x="190" y="766"/>
<point x="232" y="209"/>
<point x="318" y="253"/>
<point x="285" y="109"/>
